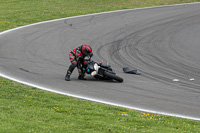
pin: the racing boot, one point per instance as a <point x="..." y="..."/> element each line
<point x="81" y="76"/>
<point x="67" y="77"/>
<point x="69" y="72"/>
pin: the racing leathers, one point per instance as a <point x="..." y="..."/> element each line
<point x="76" y="57"/>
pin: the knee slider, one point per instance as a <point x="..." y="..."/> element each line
<point x="74" y="64"/>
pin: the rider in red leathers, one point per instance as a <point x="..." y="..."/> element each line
<point x="76" y="57"/>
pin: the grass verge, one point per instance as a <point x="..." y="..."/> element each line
<point x="27" y="109"/>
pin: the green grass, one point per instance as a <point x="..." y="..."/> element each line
<point x="15" y="13"/>
<point x="27" y="109"/>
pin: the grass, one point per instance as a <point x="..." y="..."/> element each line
<point x="27" y="109"/>
<point x="15" y="13"/>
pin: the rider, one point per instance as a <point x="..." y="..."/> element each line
<point x="76" y="57"/>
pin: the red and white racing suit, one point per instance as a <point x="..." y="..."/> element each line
<point x="76" y="57"/>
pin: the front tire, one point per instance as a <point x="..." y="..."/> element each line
<point x="113" y="76"/>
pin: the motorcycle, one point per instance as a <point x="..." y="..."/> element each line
<point x="101" y="71"/>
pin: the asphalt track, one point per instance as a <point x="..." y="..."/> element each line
<point x="162" y="42"/>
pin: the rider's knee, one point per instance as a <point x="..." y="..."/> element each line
<point x="74" y="63"/>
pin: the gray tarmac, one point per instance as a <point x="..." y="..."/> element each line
<point x="163" y="43"/>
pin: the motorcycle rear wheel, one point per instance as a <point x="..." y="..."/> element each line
<point x="113" y="76"/>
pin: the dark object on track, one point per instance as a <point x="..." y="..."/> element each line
<point x="128" y="70"/>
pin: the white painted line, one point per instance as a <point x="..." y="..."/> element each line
<point x="86" y="98"/>
<point x="99" y="101"/>
<point x="97" y="14"/>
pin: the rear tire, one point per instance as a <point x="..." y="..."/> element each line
<point x="113" y="76"/>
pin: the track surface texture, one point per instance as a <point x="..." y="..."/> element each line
<point x="163" y="43"/>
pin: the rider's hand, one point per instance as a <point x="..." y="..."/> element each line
<point x="101" y="62"/>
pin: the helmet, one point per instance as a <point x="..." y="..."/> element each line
<point x="87" y="50"/>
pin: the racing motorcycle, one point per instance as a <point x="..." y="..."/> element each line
<point x="101" y="71"/>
